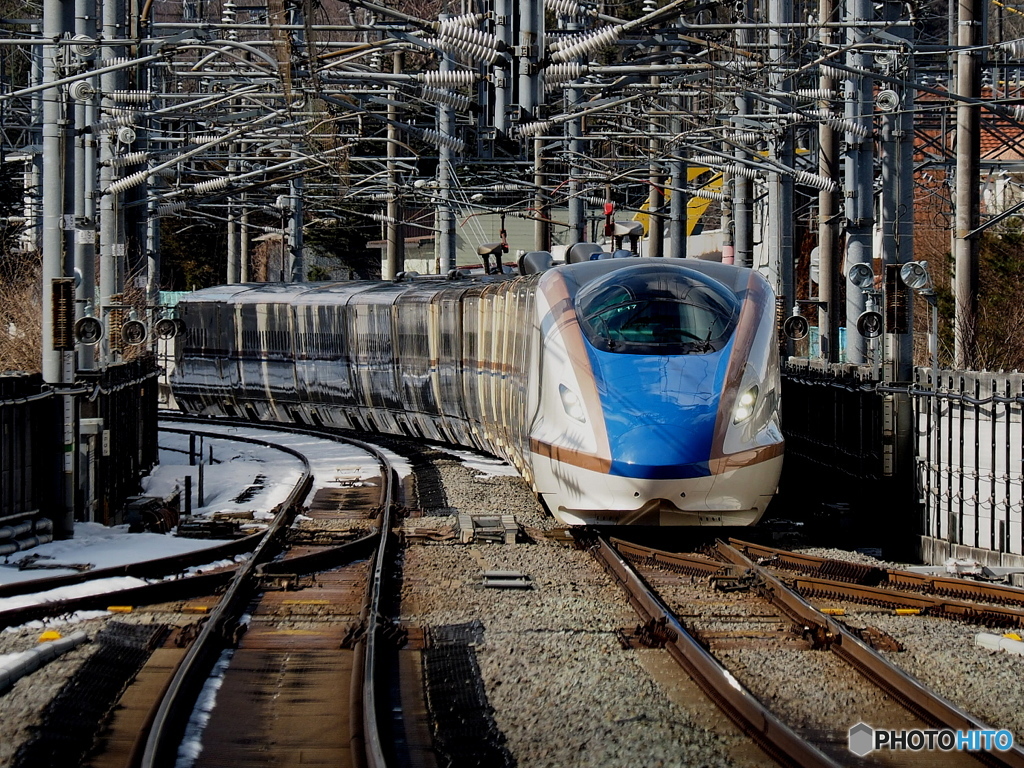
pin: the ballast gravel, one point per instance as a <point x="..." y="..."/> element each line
<point x="22" y="707"/>
<point x="564" y="690"/>
<point x="942" y="655"/>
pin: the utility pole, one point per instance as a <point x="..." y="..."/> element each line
<point x="446" y="250"/>
<point x="780" y="149"/>
<point x="656" y="182"/>
<point x="828" y="208"/>
<point x="859" y="168"/>
<point x="968" y="148"/>
<point x="743" y="186"/>
<point x="395" y="232"/>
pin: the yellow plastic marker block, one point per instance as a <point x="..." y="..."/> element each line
<point x="48" y="635"/>
<point x="195" y="609"/>
<point x="120" y="608"/>
<point x="1013" y="636"/>
<point x="908" y="611"/>
<point x="834" y="611"/>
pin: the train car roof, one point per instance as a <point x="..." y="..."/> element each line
<point x="367" y="291"/>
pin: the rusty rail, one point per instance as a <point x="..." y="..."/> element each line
<point x="770" y="733"/>
<point x="869" y="575"/>
<point x="924" y="703"/>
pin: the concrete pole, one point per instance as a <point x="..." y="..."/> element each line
<point x="111" y="242"/>
<point x="233" y="274"/>
<point x="968" y="138"/>
<point x="573" y="132"/>
<point x="859" y="170"/>
<point x="85" y="189"/>
<point x="677" y="202"/>
<point x="500" y="75"/>
<point x="541" y="227"/>
<point x="655" y="194"/>
<point x="296" y="241"/>
<point x="780" y="148"/>
<point x="243" y="243"/>
<point x="31" y="238"/>
<point x="828" y="207"/>
<point x="53" y="185"/>
<point x="743" y="188"/>
<point x="395" y="232"/>
<point x="531" y="44"/>
<point x="896" y="212"/>
<point x="446" y="246"/>
<point x="234" y="268"/>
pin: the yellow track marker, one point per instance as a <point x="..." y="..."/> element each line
<point x="834" y="611"/>
<point x="908" y="611"/>
<point x="120" y="608"/>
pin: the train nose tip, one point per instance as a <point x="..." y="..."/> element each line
<point x="661" y="451"/>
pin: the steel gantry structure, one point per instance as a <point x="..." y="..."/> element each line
<point x="793" y="121"/>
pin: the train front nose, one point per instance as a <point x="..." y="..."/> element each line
<point x="660" y="451"/>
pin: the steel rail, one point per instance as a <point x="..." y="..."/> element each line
<point x="921" y="701"/>
<point x="369" y="646"/>
<point x="147" y="569"/>
<point x="366" y="741"/>
<point x="771" y="734"/>
<point x="176" y="706"/>
<point x="989" y="615"/>
<point x="869" y="575"/>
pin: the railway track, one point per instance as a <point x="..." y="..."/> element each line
<point x="977" y="602"/>
<point x="167" y="583"/>
<point x="297" y="630"/>
<point x="754" y="640"/>
<point x="302" y="617"/>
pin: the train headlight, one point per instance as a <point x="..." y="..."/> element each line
<point x="572" y="404"/>
<point x="745" y="405"/>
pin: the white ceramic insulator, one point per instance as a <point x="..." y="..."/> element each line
<point x="165" y="209"/>
<point x="128" y="182"/>
<point x="113" y="123"/>
<point x="816" y="94"/>
<point x="563" y="72"/>
<point x="452" y="79"/>
<point x="465" y="20"/>
<point x="381" y="197"/>
<point x="442" y="96"/>
<point x="814" y="180"/>
<point x="132" y="158"/>
<point x="705" y="160"/>
<point x="744" y="171"/>
<point x="439" y="139"/>
<point x="505" y="188"/>
<point x="706" y="194"/>
<point x="1014" y="47"/>
<point x="564" y="7"/>
<point x="842" y="124"/>
<point x="535" y="128"/>
<point x="588" y="43"/>
<point x="828" y="70"/>
<point x="468" y="50"/>
<point x="747" y="137"/>
<point x="211" y="185"/>
<point x="383" y="218"/>
<point x="131" y="97"/>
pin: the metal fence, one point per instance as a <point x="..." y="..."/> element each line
<point x="30" y="435"/>
<point x="114" y="442"/>
<point x="969" y="444"/>
<point x="849" y="464"/>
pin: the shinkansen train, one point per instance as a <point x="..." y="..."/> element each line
<point x="626" y="391"/>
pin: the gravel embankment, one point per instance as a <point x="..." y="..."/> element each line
<point x="564" y="691"/>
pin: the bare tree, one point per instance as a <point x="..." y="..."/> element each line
<point x="21" y="324"/>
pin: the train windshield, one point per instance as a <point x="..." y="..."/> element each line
<point x="655" y="309"/>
